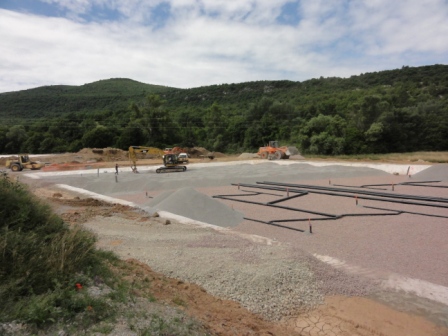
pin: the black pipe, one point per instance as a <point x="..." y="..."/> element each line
<point x="273" y="224"/>
<point x="275" y="206"/>
<point x="419" y="184"/>
<point x="355" y="192"/>
<point x="288" y="198"/>
<point x="364" y="186"/>
<point x="371" y="193"/>
<point x="408" y="212"/>
<point x="380" y="197"/>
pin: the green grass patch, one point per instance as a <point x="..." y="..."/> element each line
<point x="53" y="279"/>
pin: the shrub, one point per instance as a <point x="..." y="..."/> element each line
<point x="41" y="260"/>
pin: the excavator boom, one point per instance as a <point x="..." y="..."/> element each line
<point x="170" y="161"/>
<point x="134" y="150"/>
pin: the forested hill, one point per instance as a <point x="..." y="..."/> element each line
<point x="388" y="111"/>
<point x="51" y="101"/>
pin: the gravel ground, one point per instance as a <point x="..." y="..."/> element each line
<point x="277" y="279"/>
<point x="274" y="281"/>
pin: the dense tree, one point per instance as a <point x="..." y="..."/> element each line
<point x="3" y="139"/>
<point x="324" y="135"/>
<point x="157" y="125"/>
<point x="189" y="125"/>
<point x="52" y="145"/>
<point x="397" y="110"/>
<point x="15" y="138"/>
<point x="214" y="127"/>
<point x="99" y="137"/>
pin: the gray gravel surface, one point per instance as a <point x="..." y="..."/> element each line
<point x="372" y="245"/>
<point x="272" y="280"/>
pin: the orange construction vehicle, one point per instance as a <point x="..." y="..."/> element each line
<point x="273" y="151"/>
<point x="174" y="150"/>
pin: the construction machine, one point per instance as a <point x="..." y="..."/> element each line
<point x="174" y="150"/>
<point x="273" y="151"/>
<point x="183" y="158"/>
<point x="134" y="150"/>
<point x="171" y="164"/>
<point x="23" y="162"/>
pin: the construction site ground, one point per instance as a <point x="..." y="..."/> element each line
<point x="242" y="267"/>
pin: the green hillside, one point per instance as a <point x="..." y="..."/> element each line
<point x="388" y="111"/>
<point x="52" y="101"/>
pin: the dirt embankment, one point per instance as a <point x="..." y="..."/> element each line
<point x="91" y="158"/>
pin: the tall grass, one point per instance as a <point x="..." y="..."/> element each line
<point x="37" y="250"/>
<point x="41" y="260"/>
<point x="47" y="267"/>
<point x="53" y="280"/>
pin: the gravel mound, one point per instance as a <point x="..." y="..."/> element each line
<point x="436" y="172"/>
<point x="192" y="204"/>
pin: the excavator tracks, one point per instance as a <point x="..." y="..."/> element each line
<point x="175" y="169"/>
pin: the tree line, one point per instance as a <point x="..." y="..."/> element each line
<point x="399" y="110"/>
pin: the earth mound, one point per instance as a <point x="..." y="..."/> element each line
<point x="192" y="204"/>
<point x="436" y="172"/>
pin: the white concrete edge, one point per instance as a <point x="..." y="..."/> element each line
<point x="419" y="287"/>
<point x="96" y="196"/>
<point x="401" y="169"/>
<point x="395" y="281"/>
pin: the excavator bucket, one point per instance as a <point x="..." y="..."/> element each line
<point x="292" y="151"/>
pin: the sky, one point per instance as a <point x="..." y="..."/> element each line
<point x="193" y="43"/>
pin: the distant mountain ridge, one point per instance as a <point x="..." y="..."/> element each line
<point x="116" y="94"/>
<point x="392" y="111"/>
<point x="54" y="100"/>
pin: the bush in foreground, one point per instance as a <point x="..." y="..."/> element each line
<point x="41" y="261"/>
<point x="53" y="280"/>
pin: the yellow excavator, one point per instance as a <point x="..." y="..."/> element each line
<point x="171" y="164"/>
<point x="170" y="161"/>
<point x="134" y="150"/>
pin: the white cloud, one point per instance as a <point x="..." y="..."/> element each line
<point x="393" y="27"/>
<point x="208" y="42"/>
